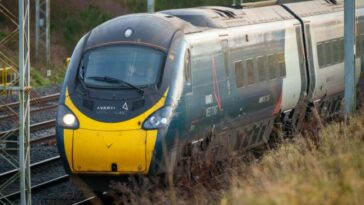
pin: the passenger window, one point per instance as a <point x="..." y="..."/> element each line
<point x="362" y="45"/>
<point x="239" y="74"/>
<point x="336" y="48"/>
<point x="281" y="69"/>
<point x="225" y="49"/>
<point x="329" y="52"/>
<point x="271" y="67"/>
<point x="359" y="45"/>
<point x="261" y="68"/>
<point x="250" y="69"/>
<point x="341" y="50"/>
<point x="188" y="68"/>
<point x="321" y="54"/>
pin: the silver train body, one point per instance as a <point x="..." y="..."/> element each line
<point x="224" y="69"/>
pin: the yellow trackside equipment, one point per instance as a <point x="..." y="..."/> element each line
<point x="68" y="60"/>
<point x="7" y="76"/>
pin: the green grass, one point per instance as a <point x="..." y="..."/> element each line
<point x="301" y="173"/>
<point x="76" y="24"/>
<point x="40" y="79"/>
<point x="2" y="35"/>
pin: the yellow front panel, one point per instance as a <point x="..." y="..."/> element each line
<point x="68" y="141"/>
<point x="95" y="146"/>
<point x="96" y="151"/>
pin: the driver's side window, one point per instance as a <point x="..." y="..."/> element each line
<point x="187" y="68"/>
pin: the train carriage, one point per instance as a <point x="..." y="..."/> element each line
<point x="144" y="86"/>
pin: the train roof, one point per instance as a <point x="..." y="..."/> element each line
<point x="163" y="25"/>
<point x="225" y="17"/>
<point x="318" y="7"/>
<point x="161" y="29"/>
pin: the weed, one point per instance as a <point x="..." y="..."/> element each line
<point x="300" y="173"/>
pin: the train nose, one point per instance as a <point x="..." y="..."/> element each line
<point x="114" y="152"/>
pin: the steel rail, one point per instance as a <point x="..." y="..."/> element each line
<point x="32" y="101"/>
<point x="51" y="139"/>
<point x="33" y="128"/>
<point x="39" y="186"/>
<point x="34" y="165"/>
<point x="42" y="109"/>
<point x="85" y="201"/>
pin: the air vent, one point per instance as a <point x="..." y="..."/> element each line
<point x="225" y="13"/>
<point x="88" y="104"/>
<point x="138" y="104"/>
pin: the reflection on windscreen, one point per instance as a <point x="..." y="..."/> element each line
<point x="136" y="65"/>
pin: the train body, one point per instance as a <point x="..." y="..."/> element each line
<point x="139" y="83"/>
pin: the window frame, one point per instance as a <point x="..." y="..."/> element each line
<point x="187" y="67"/>
<point x="271" y="66"/>
<point x="261" y="60"/>
<point x="250" y="70"/>
<point x="239" y="79"/>
<point x="281" y="65"/>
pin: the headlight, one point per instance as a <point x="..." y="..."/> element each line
<point x="159" y="119"/>
<point x="66" y="119"/>
<point x="69" y="119"/>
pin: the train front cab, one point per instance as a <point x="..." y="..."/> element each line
<point x="108" y="149"/>
<point x="93" y="148"/>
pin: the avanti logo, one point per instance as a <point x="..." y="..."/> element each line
<point x="125" y="106"/>
<point x="106" y="108"/>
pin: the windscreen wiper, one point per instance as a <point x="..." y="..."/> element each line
<point x="116" y="81"/>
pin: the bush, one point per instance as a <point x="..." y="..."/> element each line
<point x="2" y="35"/>
<point x="301" y="173"/>
<point x="78" y="24"/>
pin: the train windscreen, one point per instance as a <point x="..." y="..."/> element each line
<point x="120" y="66"/>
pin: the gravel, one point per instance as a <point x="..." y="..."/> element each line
<point x="63" y="193"/>
<point x="37" y="153"/>
<point x="36" y="92"/>
<point x="12" y="122"/>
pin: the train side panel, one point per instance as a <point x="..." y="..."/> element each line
<point x="236" y="79"/>
<point x="294" y="84"/>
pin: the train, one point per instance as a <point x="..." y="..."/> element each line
<point x="141" y="87"/>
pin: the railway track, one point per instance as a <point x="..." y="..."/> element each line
<point x="43" y="175"/>
<point x="35" y="111"/>
<point x="33" y="128"/>
<point x="86" y="201"/>
<point x="14" y="193"/>
<point x="39" y="168"/>
<point x="34" y="101"/>
<point x="34" y="165"/>
<point x="49" y="139"/>
<point x="38" y="105"/>
<point x="38" y="187"/>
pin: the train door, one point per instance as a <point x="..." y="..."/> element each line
<point x="198" y="82"/>
<point x="217" y="93"/>
<point x="226" y="78"/>
<point x="311" y="80"/>
<point x="210" y="84"/>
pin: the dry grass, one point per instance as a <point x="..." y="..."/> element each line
<point x="301" y="173"/>
<point x="298" y="171"/>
